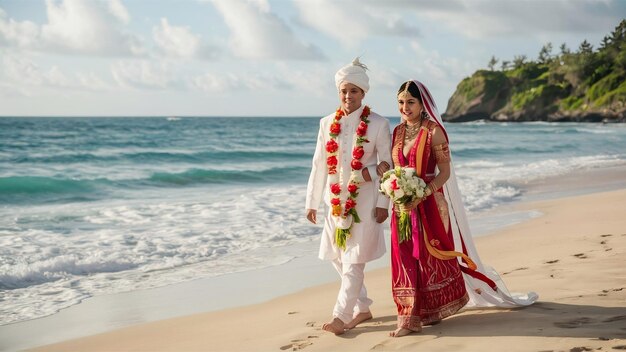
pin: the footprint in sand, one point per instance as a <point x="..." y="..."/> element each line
<point x="379" y="347"/>
<point x="580" y="255"/>
<point x="615" y="318"/>
<point x="573" y="323"/>
<point x="508" y="272"/>
<point x="580" y="349"/>
<point x="552" y="261"/>
<point x="296" y="345"/>
<point x="619" y="347"/>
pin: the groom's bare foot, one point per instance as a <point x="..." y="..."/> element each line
<point x="336" y="326"/>
<point x="358" y="319"/>
<point x="399" y="332"/>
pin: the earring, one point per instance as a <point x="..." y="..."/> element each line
<point x="424" y="115"/>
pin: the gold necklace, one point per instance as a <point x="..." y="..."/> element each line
<point x="411" y="131"/>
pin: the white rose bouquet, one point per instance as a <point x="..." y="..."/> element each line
<point x="402" y="186"/>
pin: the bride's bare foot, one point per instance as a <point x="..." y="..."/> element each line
<point x="336" y="326"/>
<point x="399" y="332"/>
<point x="358" y="319"/>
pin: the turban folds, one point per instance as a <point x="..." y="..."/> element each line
<point x="353" y="73"/>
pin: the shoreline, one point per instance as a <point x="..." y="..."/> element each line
<point x="575" y="264"/>
<point x="105" y="313"/>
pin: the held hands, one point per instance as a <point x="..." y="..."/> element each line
<point x="382" y="168"/>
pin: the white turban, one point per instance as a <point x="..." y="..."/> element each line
<point x="353" y="73"/>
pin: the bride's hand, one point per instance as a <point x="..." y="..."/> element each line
<point x="407" y="207"/>
<point x="382" y="168"/>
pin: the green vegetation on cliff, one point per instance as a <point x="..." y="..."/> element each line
<point x="586" y="85"/>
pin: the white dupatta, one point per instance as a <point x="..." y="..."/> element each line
<point x="480" y="293"/>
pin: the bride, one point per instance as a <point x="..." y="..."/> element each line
<point x="437" y="271"/>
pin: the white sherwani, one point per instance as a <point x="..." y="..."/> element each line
<point x="367" y="241"/>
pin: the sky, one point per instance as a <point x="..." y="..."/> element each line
<point x="264" y="57"/>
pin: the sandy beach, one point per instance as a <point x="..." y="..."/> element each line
<point x="572" y="256"/>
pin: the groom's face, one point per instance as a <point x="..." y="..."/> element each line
<point x="350" y="96"/>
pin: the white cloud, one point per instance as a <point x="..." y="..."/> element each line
<point x="23" y="34"/>
<point x="229" y="82"/>
<point x="308" y="79"/>
<point x="25" y="72"/>
<point x="476" y="19"/>
<point x="92" y="81"/>
<point x="74" y="27"/>
<point x="86" y="27"/>
<point x="213" y="83"/>
<point x="481" y="19"/>
<point x="175" y="41"/>
<point x="144" y="74"/>
<point x="352" y="21"/>
<point x="22" y="73"/>
<point x="119" y="11"/>
<point x="257" y="33"/>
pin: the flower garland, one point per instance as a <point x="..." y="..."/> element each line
<point x="346" y="212"/>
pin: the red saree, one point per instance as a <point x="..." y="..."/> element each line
<point x="427" y="280"/>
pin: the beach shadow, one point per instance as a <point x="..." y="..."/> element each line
<point x="550" y="319"/>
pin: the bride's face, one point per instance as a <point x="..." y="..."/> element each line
<point x="410" y="107"/>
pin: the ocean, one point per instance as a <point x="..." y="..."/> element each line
<point x="95" y="205"/>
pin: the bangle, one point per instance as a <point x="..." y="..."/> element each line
<point x="433" y="187"/>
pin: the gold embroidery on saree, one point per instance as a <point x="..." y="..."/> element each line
<point x="442" y="153"/>
<point x="442" y="206"/>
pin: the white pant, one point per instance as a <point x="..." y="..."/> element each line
<point x="352" y="298"/>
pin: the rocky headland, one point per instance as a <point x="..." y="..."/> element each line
<point x="583" y="86"/>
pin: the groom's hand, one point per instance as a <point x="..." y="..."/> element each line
<point x="381" y="215"/>
<point x="382" y="168"/>
<point x="311" y="214"/>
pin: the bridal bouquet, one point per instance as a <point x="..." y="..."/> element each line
<point x="402" y="185"/>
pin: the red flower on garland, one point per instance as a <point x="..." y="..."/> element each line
<point x="335" y="201"/>
<point x="332" y="146"/>
<point x="335" y="128"/>
<point x="350" y="203"/>
<point x="358" y="152"/>
<point x="352" y="188"/>
<point x="331" y="160"/>
<point x="335" y="188"/>
<point x="356" y="164"/>
<point x="362" y="129"/>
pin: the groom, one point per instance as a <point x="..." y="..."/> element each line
<point x="350" y="143"/>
